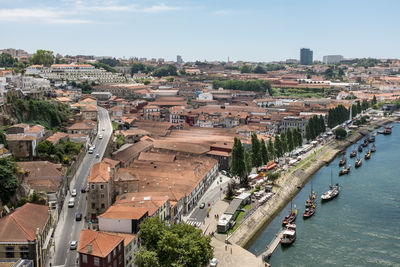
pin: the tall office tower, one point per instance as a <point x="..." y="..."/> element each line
<point x="306" y="56"/>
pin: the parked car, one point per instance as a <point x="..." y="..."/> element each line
<point x="73" y="245"/>
<point x="97" y="156"/>
<point x="71" y="202"/>
<point x="224" y="172"/>
<point x="104" y="129"/>
<point x="83" y="190"/>
<point x="202" y="205"/>
<point x="213" y="262"/>
<point x="73" y="192"/>
<point x="78" y="217"/>
<point x="100" y="136"/>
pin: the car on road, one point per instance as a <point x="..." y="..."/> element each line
<point x="213" y="262"/>
<point x="97" y="156"/>
<point x="73" y="192"/>
<point x="90" y="150"/>
<point x="71" y="202"/>
<point x="224" y="172"/>
<point x="104" y="129"/>
<point x="78" y="217"/>
<point x="202" y="205"/>
<point x="83" y="190"/>
<point x="73" y="245"/>
<point x="100" y="136"/>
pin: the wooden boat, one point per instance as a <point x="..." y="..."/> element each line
<point x="310" y="204"/>
<point x="360" y="148"/>
<point x="353" y="154"/>
<point x="371" y="139"/>
<point x="381" y="131"/>
<point x="291" y="217"/>
<point x="358" y="163"/>
<point x="388" y="130"/>
<point x="289" y="235"/>
<point x="368" y="155"/>
<point x="365" y="144"/>
<point x="343" y="161"/>
<point x="331" y="193"/>
<point x="373" y="148"/>
<point x="345" y="170"/>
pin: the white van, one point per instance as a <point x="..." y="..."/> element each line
<point x="71" y="202"/>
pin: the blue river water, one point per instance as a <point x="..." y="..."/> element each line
<point x="361" y="227"/>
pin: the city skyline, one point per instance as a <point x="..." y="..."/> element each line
<point x="255" y="31"/>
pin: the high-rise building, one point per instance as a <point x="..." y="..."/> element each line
<point x="306" y="56"/>
<point x="332" y="59"/>
<point x="179" y="59"/>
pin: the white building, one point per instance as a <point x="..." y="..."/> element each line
<point x="332" y="59"/>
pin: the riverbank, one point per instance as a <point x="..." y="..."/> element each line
<point x="289" y="185"/>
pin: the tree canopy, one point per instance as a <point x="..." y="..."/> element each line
<point x="8" y="181"/>
<point x="238" y="166"/>
<point x="6" y="60"/>
<point x="170" y="70"/>
<point x="255" y="86"/>
<point x="256" y="159"/>
<point x="177" y="245"/>
<point x="43" y="57"/>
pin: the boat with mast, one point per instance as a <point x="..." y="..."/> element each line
<point x="291" y="217"/>
<point x="353" y="153"/>
<point x="331" y="193"/>
<point x="368" y="155"/>
<point x="345" y="170"/>
<point x="310" y="204"/>
<point x="360" y="148"/>
<point x="343" y="161"/>
<point x="365" y="143"/>
<point x="373" y="148"/>
<point x="289" y="235"/>
<point x="358" y="162"/>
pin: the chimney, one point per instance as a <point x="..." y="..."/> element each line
<point x="89" y="248"/>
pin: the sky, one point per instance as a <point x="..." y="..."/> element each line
<point x="261" y="31"/>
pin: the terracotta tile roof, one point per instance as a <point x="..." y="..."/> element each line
<point x="132" y="151"/>
<point x="21" y="225"/>
<point x="151" y="156"/>
<point x="123" y="175"/>
<point x="151" y="201"/>
<point x="35" y="129"/>
<point x="124" y="212"/>
<point x="55" y="138"/>
<point x="102" y="243"/>
<point x="100" y="173"/>
<point x="111" y="162"/>
<point x="127" y="237"/>
<point x="90" y="107"/>
<point x="83" y="125"/>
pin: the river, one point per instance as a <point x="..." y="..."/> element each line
<point x="361" y="227"/>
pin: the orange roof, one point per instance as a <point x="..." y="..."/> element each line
<point x="127" y="237"/>
<point x="35" y="129"/>
<point x="100" y="173"/>
<point x="151" y="201"/>
<point x="124" y="212"/>
<point x="21" y="225"/>
<point x="102" y="243"/>
<point x="90" y="107"/>
<point x="55" y="138"/>
<point x="20" y="137"/>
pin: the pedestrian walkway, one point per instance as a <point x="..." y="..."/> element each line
<point x="196" y="224"/>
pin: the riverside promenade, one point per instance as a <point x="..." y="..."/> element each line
<point x="290" y="183"/>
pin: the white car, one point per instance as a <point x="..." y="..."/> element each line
<point x="213" y="262"/>
<point x="100" y="136"/>
<point x="104" y="129"/>
<point x="73" y="244"/>
<point x="73" y="192"/>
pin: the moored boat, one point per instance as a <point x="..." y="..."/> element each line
<point x="373" y="148"/>
<point x="345" y="170"/>
<point x="291" y="217"/>
<point x="360" y="148"/>
<point x="368" y="155"/>
<point x="310" y="204"/>
<point x="358" y="163"/>
<point x="331" y="193"/>
<point x="353" y="154"/>
<point x="365" y="143"/>
<point x="388" y="130"/>
<point x="289" y="235"/>
<point x="343" y="161"/>
<point x="371" y="139"/>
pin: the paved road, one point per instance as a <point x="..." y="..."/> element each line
<point x="67" y="228"/>
<point x="212" y="195"/>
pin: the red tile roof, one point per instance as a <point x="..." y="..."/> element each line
<point x="102" y="243"/>
<point x="124" y="212"/>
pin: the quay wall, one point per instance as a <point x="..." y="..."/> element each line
<point x="292" y="182"/>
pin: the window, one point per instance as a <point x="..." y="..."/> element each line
<point x="115" y="251"/>
<point x="9" y="252"/>
<point x="92" y="186"/>
<point x="103" y="206"/>
<point x="120" y="258"/>
<point x="109" y="258"/>
<point x="101" y="187"/>
<point x="102" y="195"/>
<point x="120" y="246"/>
<point x="93" y="195"/>
<point x="24" y="252"/>
<point x="84" y="258"/>
<point x="96" y="261"/>
<point x="115" y="263"/>
<point x="93" y="205"/>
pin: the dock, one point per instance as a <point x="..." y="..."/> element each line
<point x="272" y="246"/>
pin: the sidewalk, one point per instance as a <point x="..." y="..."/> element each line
<point x="227" y="255"/>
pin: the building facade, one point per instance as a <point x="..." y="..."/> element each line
<point x="306" y="56"/>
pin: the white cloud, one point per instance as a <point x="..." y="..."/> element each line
<point x="48" y="15"/>
<point x="223" y="12"/>
<point x="159" y="8"/>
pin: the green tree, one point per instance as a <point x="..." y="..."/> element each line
<point x="298" y="137"/>
<point x="255" y="151"/>
<point x="340" y="133"/>
<point x="248" y="162"/>
<point x="308" y="132"/>
<point x="6" y="60"/>
<point x="8" y="181"/>
<point x="322" y="124"/>
<point x="278" y="146"/>
<point x="45" y="148"/>
<point x="43" y="57"/>
<point x="259" y="69"/>
<point x="261" y="86"/>
<point x="289" y="139"/>
<point x="170" y="70"/>
<point x="264" y="152"/>
<point x="271" y="149"/>
<point x="146" y="258"/>
<point x="238" y="166"/>
<point x="177" y="245"/>
<point x="284" y="143"/>
<point x="364" y="104"/>
<point x="136" y="67"/>
<point x="374" y="102"/>
<point x="246" y="69"/>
